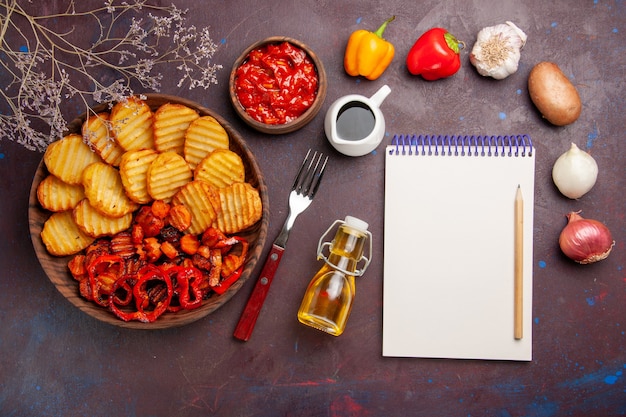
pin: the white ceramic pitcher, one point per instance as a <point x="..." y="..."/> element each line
<point x="354" y="124"/>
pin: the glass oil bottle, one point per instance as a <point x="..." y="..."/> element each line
<point x="328" y="299"/>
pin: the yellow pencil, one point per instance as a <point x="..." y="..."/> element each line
<point x="519" y="263"/>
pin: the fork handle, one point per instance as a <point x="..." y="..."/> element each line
<point x="248" y="318"/>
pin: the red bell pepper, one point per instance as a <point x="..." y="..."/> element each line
<point x="435" y="55"/>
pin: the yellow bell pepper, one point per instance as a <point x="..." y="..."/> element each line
<point x="367" y="53"/>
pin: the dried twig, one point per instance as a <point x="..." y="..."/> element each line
<point x="43" y="67"/>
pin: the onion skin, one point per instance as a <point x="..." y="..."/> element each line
<point x="585" y="240"/>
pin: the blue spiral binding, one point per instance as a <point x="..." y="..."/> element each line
<point x="457" y="145"/>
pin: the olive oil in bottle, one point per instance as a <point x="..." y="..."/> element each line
<point x="329" y="297"/>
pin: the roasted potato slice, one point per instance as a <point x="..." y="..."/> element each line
<point x="167" y="174"/>
<point x="203" y="136"/>
<point x="171" y="121"/>
<point x="67" y="158"/>
<point x="131" y="124"/>
<point x="240" y="207"/>
<point x="134" y="173"/>
<point x="96" y="133"/>
<point x="62" y="236"/>
<point x="202" y="200"/>
<point x="56" y="195"/>
<point x="105" y="191"/>
<point x="221" y="168"/>
<point x="93" y="223"/>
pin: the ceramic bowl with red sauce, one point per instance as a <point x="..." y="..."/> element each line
<point x="277" y="85"/>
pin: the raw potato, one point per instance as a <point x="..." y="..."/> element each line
<point x="554" y="95"/>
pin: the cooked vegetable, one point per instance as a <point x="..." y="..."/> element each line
<point x="367" y="53"/>
<point x="139" y="278"/>
<point x="553" y="94"/>
<point x="496" y="52"/>
<point x="276" y="83"/>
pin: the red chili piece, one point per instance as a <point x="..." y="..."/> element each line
<point x="276" y="83"/>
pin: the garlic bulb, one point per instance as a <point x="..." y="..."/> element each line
<point x="496" y="52"/>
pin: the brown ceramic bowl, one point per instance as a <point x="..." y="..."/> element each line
<point x="56" y="267"/>
<point x="300" y="121"/>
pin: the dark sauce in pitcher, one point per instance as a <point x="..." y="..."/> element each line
<point x="355" y="121"/>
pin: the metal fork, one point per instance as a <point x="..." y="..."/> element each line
<point x="303" y="190"/>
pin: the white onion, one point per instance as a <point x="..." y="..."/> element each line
<point x="575" y="172"/>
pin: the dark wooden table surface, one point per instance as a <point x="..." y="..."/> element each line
<point x="57" y="361"/>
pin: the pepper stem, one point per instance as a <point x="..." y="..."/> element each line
<point x="381" y="29"/>
<point x="453" y="42"/>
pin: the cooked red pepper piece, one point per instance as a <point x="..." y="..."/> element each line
<point x="195" y="289"/>
<point x="103" y="272"/>
<point x="123" y="284"/>
<point x="188" y="280"/>
<point x="171" y="271"/>
<point x="226" y="283"/>
<point x="122" y="294"/>
<point x="85" y="289"/>
<point x="435" y="55"/>
<point x="77" y="268"/>
<point x="143" y="301"/>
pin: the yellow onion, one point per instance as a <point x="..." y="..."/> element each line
<point x="585" y="240"/>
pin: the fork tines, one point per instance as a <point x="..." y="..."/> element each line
<point x="308" y="180"/>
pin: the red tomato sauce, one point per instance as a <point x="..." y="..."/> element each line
<point x="276" y="83"/>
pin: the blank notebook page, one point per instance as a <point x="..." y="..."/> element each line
<point x="449" y="247"/>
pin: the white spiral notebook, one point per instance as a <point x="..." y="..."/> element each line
<point x="452" y="265"/>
